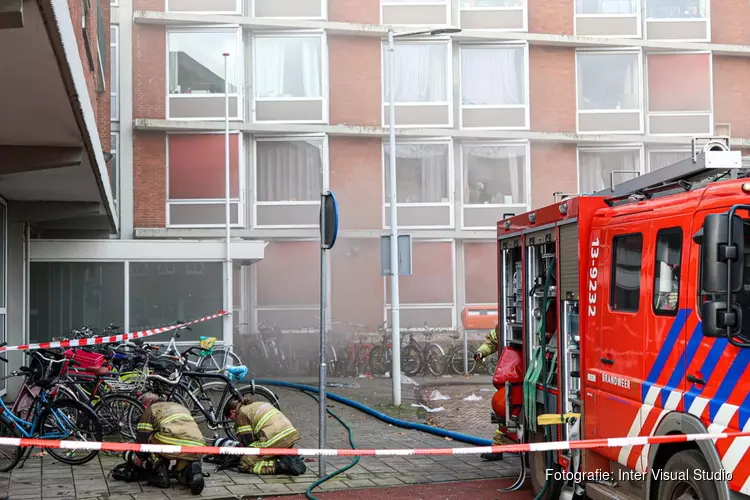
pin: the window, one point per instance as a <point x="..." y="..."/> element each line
<point x="597" y="168"/>
<point x="608" y="81"/>
<point x="296" y="9"/>
<point x="415" y="12"/>
<point x="204" y="6"/>
<point x="288" y="67"/>
<point x="627" y="254"/>
<point x="421" y="73"/>
<point x="659" y="159"/>
<point x="196" y="63"/>
<point x="196" y="189"/>
<point x="167" y="293"/>
<point x="492" y="4"/>
<point x="67" y="295"/>
<point x="289" y="171"/>
<point x="505" y="15"/>
<point x="493" y="86"/>
<point x="676" y="9"/>
<point x="667" y="271"/>
<point x="606" y="7"/>
<point x="114" y="75"/>
<point x="114" y="165"/>
<point x="494" y="175"/>
<point x="422" y="174"/>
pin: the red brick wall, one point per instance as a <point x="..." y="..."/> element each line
<point x="289" y="274"/>
<point x="149" y="71"/>
<point x="729" y="22"/>
<point x="356" y="178"/>
<point x="157" y="5"/>
<point x="431" y="281"/>
<point x="552" y="161"/>
<point x="355" y="80"/>
<point x="551" y="16"/>
<point x="552" y="89"/>
<point x="354" y="11"/>
<point x="149" y="179"/>
<point x="731" y="90"/>
<point x="355" y="275"/>
<point x="480" y="272"/>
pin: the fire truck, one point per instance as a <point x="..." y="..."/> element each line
<point x="617" y="305"/>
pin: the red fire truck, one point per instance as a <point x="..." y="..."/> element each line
<point x="617" y="303"/>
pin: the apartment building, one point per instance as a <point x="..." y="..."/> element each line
<point x="530" y="99"/>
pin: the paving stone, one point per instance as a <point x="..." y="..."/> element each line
<point x="244" y="489"/>
<point x="116" y="497"/>
<point x="246" y="479"/>
<point x="273" y="488"/>
<point x="359" y="483"/>
<point x="391" y="481"/>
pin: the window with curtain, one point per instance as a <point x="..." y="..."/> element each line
<point x="421" y="72"/>
<point x="114" y="164"/>
<point x="421" y="173"/>
<point x="196" y="63"/>
<point x="289" y="170"/>
<point x="608" y="81"/>
<point x="288" y="67"/>
<point x="468" y="4"/>
<point x="605" y="7"/>
<point x="596" y="168"/>
<point x="114" y="74"/>
<point x="493" y="75"/>
<point x="677" y="9"/>
<point x="659" y="159"/>
<point x="494" y="175"/>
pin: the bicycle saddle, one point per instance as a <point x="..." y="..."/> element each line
<point x="238" y="372"/>
<point x="46" y="383"/>
<point x="98" y="371"/>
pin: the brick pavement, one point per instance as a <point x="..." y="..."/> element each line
<point x="45" y="478"/>
<point x="459" y="414"/>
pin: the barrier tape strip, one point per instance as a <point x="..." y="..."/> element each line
<point x="512" y="448"/>
<point x="108" y="339"/>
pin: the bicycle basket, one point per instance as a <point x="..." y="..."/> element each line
<point x="41" y="369"/>
<point x="207" y="345"/>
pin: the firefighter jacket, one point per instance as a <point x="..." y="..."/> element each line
<point x="261" y="425"/>
<point x="490" y="344"/>
<point x="169" y="423"/>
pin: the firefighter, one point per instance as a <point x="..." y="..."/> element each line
<point x="261" y="425"/>
<point x="168" y="423"/>
<point x="487" y="349"/>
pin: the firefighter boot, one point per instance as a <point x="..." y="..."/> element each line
<point x="496" y="441"/>
<point x="192" y="477"/>
<point x="293" y="466"/>
<point x="159" y="475"/>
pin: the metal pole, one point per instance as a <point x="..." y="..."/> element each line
<point x="323" y="306"/>
<point x="228" y="321"/>
<point x="466" y="352"/>
<point x="395" y="299"/>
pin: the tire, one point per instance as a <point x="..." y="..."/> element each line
<point x="457" y="362"/>
<point x="435" y="360"/>
<point x="687" y="460"/>
<point x="14" y="452"/>
<point x="119" y="415"/>
<point x="411" y="361"/>
<point x="86" y="422"/>
<point x="378" y="364"/>
<point x="490" y="364"/>
<point x="538" y="471"/>
<point x="257" y="393"/>
<point x="210" y="363"/>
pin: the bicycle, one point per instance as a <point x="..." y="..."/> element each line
<point x="210" y="359"/>
<point x="431" y="353"/>
<point x="380" y="355"/>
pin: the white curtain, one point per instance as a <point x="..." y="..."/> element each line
<point x="494" y="175"/>
<point x="492" y="76"/>
<point x="421" y="173"/>
<point x="421" y="73"/>
<point x="288" y="67"/>
<point x="596" y="168"/>
<point x="608" y="81"/>
<point x="289" y="170"/>
<point x="659" y="159"/>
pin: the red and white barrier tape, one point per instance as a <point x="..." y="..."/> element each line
<point x="513" y="448"/>
<point x="108" y="339"/>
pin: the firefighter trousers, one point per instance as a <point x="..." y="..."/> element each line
<point x="263" y="465"/>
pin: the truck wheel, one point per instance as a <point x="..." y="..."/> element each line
<point x="690" y="487"/>
<point x="538" y="470"/>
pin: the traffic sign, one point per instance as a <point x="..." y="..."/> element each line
<point x="329" y="220"/>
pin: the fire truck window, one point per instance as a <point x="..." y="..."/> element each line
<point x="667" y="271"/>
<point x="627" y="253"/>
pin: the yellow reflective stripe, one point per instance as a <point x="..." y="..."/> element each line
<point x="244" y="429"/>
<point x="264" y="419"/>
<point x="177" y="442"/>
<point x="278" y="437"/>
<point x="176" y="416"/>
<point x="144" y="427"/>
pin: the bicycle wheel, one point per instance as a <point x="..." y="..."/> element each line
<point x="411" y="361"/>
<point x="119" y="415"/>
<point x="378" y="361"/>
<point x="457" y="362"/>
<point x="70" y="420"/>
<point x="435" y="359"/>
<point x="218" y="360"/>
<point x="257" y="363"/>
<point x="254" y="393"/>
<point x="9" y="455"/>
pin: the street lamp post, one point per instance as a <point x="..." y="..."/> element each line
<point x="229" y="319"/>
<point x="395" y="299"/>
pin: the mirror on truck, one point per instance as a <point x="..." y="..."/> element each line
<point x="720" y="257"/>
<point x="717" y="319"/>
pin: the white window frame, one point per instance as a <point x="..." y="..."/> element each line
<point x="241" y="179"/>
<point x="240" y="65"/>
<point x="664" y="149"/>
<point x="116" y="151"/>
<point x="523" y="207"/>
<point x="639" y="8"/>
<point x="451" y="182"/>
<point x="325" y="182"/>
<point x="610" y="148"/>
<point x="706" y="19"/>
<point x="322" y="17"/>
<point x="525" y="8"/>
<point x="238" y="9"/>
<point x="437" y="306"/>
<point x="641" y="91"/>
<point x="114" y="3"/>
<point x="396" y="3"/>
<point x="449" y="83"/>
<point x="114" y="88"/>
<point x="678" y="113"/>
<point x="324" y="84"/>
<point x="527" y="96"/>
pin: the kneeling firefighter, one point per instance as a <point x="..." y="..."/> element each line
<point x="168" y="423"/>
<point x="261" y="425"/>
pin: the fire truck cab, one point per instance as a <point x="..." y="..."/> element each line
<point x="618" y="303"/>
